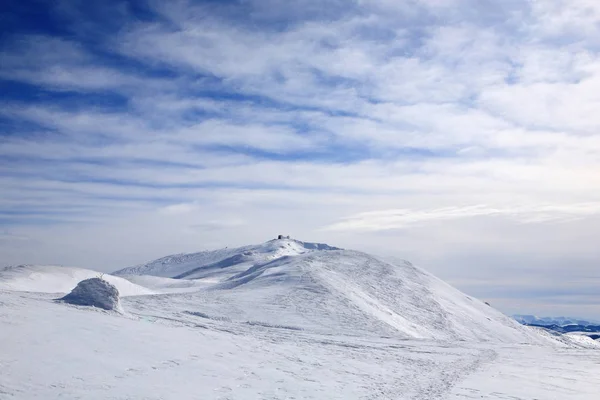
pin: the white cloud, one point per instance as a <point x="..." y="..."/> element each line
<point x="64" y="65"/>
<point x="403" y="218"/>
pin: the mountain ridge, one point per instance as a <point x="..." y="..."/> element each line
<point x="324" y="288"/>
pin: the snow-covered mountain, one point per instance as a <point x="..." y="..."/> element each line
<point x="309" y="286"/>
<point x="300" y="285"/>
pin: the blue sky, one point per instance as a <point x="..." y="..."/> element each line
<point x="461" y="135"/>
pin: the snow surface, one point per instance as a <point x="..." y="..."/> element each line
<point x="527" y="373"/>
<point x="169" y="285"/>
<point x="285" y="321"/>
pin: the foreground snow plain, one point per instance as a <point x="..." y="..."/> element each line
<point x="282" y="321"/>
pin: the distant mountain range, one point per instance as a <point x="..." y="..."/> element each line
<point x="562" y="324"/>
<point x="549" y="321"/>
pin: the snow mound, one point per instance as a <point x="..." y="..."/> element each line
<point x="95" y="292"/>
<point x="57" y="279"/>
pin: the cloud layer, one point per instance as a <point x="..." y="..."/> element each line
<point x="398" y="219"/>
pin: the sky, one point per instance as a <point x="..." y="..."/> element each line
<point x="461" y="135"/>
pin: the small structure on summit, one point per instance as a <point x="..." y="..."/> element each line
<point x="95" y="292"/>
<point x="283" y="237"/>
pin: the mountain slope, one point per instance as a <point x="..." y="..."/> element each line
<point x="57" y="279"/>
<point x="356" y="291"/>
<point x="290" y="284"/>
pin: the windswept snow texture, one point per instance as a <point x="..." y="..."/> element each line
<point x="58" y="279"/>
<point x="95" y="292"/>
